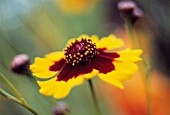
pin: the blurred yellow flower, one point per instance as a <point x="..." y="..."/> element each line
<point x="75" y="6"/>
<point x="83" y="58"/>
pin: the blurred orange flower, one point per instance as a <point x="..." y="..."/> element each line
<point x="134" y="99"/>
<point x="75" y="6"/>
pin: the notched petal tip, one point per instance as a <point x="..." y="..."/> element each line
<point x="129" y="55"/>
<point x="58" y="89"/>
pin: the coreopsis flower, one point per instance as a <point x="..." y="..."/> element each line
<point x="83" y="58"/>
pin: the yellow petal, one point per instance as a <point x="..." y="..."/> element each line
<point x="55" y="56"/>
<point x="125" y="67"/>
<point x="109" y="42"/>
<point x="119" y="76"/>
<point x="72" y="40"/>
<point x="90" y="75"/>
<point x="111" y="80"/>
<point x="58" y="89"/>
<point x="83" y="36"/>
<point x="40" y="68"/>
<point x="129" y="55"/>
<point x="123" y="71"/>
<point x="94" y="38"/>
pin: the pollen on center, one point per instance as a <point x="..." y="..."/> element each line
<point x="80" y="51"/>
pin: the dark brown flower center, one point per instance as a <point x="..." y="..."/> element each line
<point x="80" y="51"/>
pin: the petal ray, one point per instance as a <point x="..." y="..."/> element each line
<point x="57" y="65"/>
<point x="129" y="55"/>
<point x="41" y="66"/>
<point x="125" y="67"/>
<point x="111" y="80"/>
<point x="110" y="42"/>
<point x="102" y="64"/>
<point x="55" y="56"/>
<point x="123" y="71"/>
<point x="69" y="71"/>
<point x="59" y="89"/>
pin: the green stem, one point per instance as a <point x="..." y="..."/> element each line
<point x="20" y="100"/>
<point x="128" y="29"/>
<point x="8" y="83"/>
<point x="7" y="95"/>
<point x="94" y="97"/>
<point x="135" y="43"/>
<point x="131" y="33"/>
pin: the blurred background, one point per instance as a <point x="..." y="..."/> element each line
<point x="39" y="27"/>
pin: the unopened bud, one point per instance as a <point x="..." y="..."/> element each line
<point x="130" y="10"/>
<point x="20" y="64"/>
<point x="58" y="111"/>
<point x="64" y="106"/>
<point x="137" y="12"/>
<point x="126" y="7"/>
<point x="61" y="109"/>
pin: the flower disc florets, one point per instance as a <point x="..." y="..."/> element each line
<point x="80" y="51"/>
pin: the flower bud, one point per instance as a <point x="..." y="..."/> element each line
<point x="126" y="7"/>
<point x="137" y="12"/>
<point x="20" y="64"/>
<point x="58" y="111"/>
<point x="61" y="109"/>
<point x="64" y="106"/>
<point x="130" y="11"/>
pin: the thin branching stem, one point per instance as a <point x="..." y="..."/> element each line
<point x="19" y="99"/>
